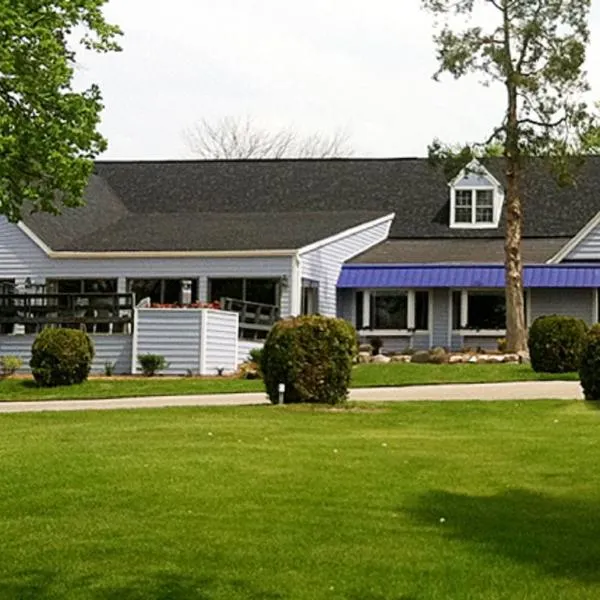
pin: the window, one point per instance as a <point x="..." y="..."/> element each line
<point x="160" y="291"/>
<point x="259" y="290"/>
<point x="484" y="310"/>
<point x="473" y="207"/>
<point x="310" y="297"/>
<point x="393" y="310"/>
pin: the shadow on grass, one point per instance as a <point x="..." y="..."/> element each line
<point x="559" y="536"/>
<point x="46" y="585"/>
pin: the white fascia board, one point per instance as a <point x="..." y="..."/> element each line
<point x="347" y="233"/>
<point x="34" y="238"/>
<point x="174" y="254"/>
<point x="476" y="167"/>
<point x="573" y="243"/>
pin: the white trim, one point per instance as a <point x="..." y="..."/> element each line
<point x="237" y="342"/>
<point x="450" y="315"/>
<point x="464" y="308"/>
<point x="203" y="345"/>
<point x="482" y="332"/>
<point x="475" y="167"/>
<point x="595" y="305"/>
<point x="347" y="233"/>
<point x="134" y="342"/>
<point x="388" y="332"/>
<point x="573" y="243"/>
<point x="295" y="287"/>
<point x="410" y="309"/>
<point x="528" y="313"/>
<point x="34" y="238"/>
<point x="366" y="309"/>
<point x="430" y="316"/>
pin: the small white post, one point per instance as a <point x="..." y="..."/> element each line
<point x="281" y="390"/>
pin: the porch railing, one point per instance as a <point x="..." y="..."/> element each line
<point x="94" y="313"/>
<point x="256" y="319"/>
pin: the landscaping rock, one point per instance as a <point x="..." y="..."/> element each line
<point x="365" y="349"/>
<point x="380" y="359"/>
<point x="487" y="359"/>
<point x="455" y="359"/>
<point x="438" y="356"/>
<point x="473" y="360"/>
<point x="364" y="358"/>
<point x="511" y="358"/>
<point x="401" y="358"/>
<point x="420" y="356"/>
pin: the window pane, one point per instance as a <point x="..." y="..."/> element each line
<point x="422" y="310"/>
<point x="145" y="288"/>
<point x="263" y="291"/>
<point x="464" y="202"/>
<point x="358" y="319"/>
<point x="100" y="286"/>
<point x="389" y="311"/>
<point x="484" y="208"/>
<point x="172" y="291"/>
<point x="456" y="307"/>
<point x="226" y="288"/>
<point x="487" y="310"/>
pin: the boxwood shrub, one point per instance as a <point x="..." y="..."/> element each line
<point x="556" y="343"/>
<point x="312" y="356"/>
<point x="589" y="369"/>
<point x="61" y="357"/>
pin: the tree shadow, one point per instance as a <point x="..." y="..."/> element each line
<point x="559" y="536"/>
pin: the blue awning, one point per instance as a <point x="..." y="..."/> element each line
<point x="461" y="276"/>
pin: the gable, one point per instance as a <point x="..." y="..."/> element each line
<point x="584" y="247"/>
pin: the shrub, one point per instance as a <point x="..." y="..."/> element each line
<point x="376" y="344"/>
<point x="9" y="365"/>
<point x="109" y="368"/>
<point x="61" y="357"/>
<point x="151" y="364"/>
<point x="555" y="344"/>
<point x="589" y="368"/>
<point x="255" y="356"/>
<point x="502" y="345"/>
<point x="312" y="356"/>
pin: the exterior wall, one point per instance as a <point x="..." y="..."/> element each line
<point x="324" y="264"/>
<point x="390" y="343"/>
<point x="20" y="257"/>
<point x="440" y="318"/>
<point x="588" y="249"/>
<point x="571" y="302"/>
<point x="477" y="341"/>
<point x="175" y="334"/>
<point x="346" y="302"/>
<point x="244" y="347"/>
<point x="220" y="342"/>
<point x="109" y="348"/>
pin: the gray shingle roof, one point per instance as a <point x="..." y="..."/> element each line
<point x="236" y="205"/>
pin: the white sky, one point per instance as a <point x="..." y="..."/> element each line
<point x="314" y="65"/>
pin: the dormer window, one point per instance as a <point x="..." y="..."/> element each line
<point x="476" y="199"/>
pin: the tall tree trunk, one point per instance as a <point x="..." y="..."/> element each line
<point x="516" y="327"/>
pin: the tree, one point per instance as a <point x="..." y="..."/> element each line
<point x="535" y="50"/>
<point x="48" y="131"/>
<point x="240" y="138"/>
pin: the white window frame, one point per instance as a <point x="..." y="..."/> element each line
<point x="464" y="316"/>
<point x="411" y="316"/>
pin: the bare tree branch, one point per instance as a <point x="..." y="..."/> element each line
<point x="240" y="138"/>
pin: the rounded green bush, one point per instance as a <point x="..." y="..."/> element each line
<point x="589" y="369"/>
<point x="61" y="357"/>
<point x="312" y="356"/>
<point x="556" y="343"/>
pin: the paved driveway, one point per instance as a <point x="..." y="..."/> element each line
<point x="531" y="390"/>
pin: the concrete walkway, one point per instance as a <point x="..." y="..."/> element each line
<point x="531" y="390"/>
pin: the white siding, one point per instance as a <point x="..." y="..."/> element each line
<point x="588" y="249"/>
<point x="109" y="348"/>
<point x="221" y="342"/>
<point x="172" y="333"/>
<point x="20" y="257"/>
<point x="570" y="302"/>
<point x="439" y="317"/>
<point x="324" y="264"/>
<point x="244" y="347"/>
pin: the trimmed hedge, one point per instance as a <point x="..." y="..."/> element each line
<point x="556" y="343"/>
<point x="589" y="369"/>
<point x="312" y="356"/>
<point x="61" y="357"/>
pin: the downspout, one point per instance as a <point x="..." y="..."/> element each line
<point x="295" y="299"/>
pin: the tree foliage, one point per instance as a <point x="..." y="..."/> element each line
<point x="48" y="130"/>
<point x="241" y="138"/>
<point x="535" y="50"/>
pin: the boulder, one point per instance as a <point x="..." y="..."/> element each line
<point x="364" y="358"/>
<point x="457" y="359"/>
<point x="380" y="359"/>
<point x="438" y="356"/>
<point x="420" y="356"/>
<point x="473" y="360"/>
<point x="511" y="358"/>
<point x="365" y="349"/>
<point x="490" y="359"/>
<point x="401" y="358"/>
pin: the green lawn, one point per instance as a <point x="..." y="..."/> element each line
<point x="414" y="501"/>
<point x="364" y="376"/>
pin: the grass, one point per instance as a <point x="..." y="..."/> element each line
<point x="363" y="376"/>
<point x="426" y="501"/>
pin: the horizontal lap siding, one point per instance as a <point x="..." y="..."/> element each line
<point x="174" y="334"/>
<point x="324" y="264"/>
<point x="484" y="342"/>
<point x="390" y="343"/>
<point x="221" y="342"/>
<point x="570" y="302"/>
<point x="20" y="257"/>
<point x="115" y="349"/>
<point x="439" y="318"/>
<point x="588" y="249"/>
<point x="244" y="348"/>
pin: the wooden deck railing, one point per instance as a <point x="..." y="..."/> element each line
<point x="94" y="313"/>
<point x="256" y="319"/>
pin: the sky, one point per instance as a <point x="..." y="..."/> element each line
<point x="364" y="67"/>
